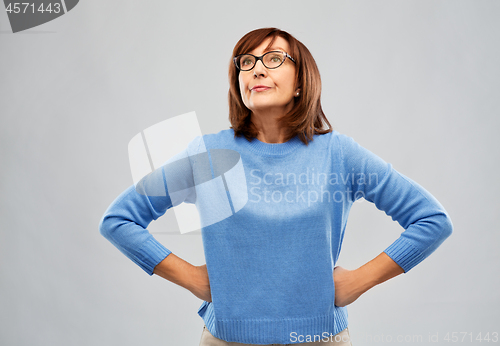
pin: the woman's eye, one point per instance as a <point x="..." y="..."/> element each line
<point x="247" y="62"/>
<point x="276" y="58"/>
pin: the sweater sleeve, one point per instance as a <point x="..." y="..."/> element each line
<point x="125" y="221"/>
<point x="426" y="223"/>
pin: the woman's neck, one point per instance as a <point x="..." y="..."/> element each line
<point x="269" y="131"/>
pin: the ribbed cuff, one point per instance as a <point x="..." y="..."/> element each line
<point x="404" y="254"/>
<point x="151" y="253"/>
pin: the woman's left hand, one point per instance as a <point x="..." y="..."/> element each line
<point x="350" y="284"/>
<point x="347" y="286"/>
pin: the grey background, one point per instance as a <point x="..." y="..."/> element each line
<point x="416" y="82"/>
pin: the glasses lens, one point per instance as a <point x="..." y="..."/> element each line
<point x="246" y="62"/>
<point x="273" y="59"/>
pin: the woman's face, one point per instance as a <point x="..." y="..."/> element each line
<point x="269" y="90"/>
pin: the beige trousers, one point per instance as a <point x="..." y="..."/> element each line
<point x="341" y="339"/>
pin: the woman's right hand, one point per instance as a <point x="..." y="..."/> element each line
<point x="193" y="278"/>
<point x="201" y="284"/>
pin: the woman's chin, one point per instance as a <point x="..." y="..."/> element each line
<point x="262" y="107"/>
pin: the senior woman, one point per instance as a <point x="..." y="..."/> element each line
<point x="270" y="275"/>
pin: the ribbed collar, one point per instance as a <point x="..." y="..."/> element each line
<point x="271" y="148"/>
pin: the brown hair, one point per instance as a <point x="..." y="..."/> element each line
<point x="306" y="118"/>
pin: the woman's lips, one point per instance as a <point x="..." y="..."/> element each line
<point x="260" y="88"/>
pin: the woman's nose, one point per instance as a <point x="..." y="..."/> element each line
<point x="259" y="69"/>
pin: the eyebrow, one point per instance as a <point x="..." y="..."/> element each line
<point x="274" y="48"/>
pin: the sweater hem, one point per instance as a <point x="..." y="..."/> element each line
<point x="273" y="330"/>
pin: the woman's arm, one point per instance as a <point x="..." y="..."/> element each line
<point x="425" y="222"/>
<point x="184" y="274"/>
<point x="126" y="220"/>
<point x="350" y="284"/>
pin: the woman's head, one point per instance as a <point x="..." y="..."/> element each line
<point x="298" y="73"/>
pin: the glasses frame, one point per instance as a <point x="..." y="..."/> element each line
<point x="257" y="58"/>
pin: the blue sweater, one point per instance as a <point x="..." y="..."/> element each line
<point x="270" y="259"/>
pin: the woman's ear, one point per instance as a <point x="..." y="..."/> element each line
<point x="297" y="92"/>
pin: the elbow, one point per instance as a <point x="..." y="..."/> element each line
<point x="447" y="226"/>
<point x="105" y="228"/>
<point x="442" y="227"/>
<point x="111" y="227"/>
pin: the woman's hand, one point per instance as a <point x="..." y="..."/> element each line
<point x="350" y="284"/>
<point x="347" y="286"/>
<point x="184" y="274"/>
<point x="201" y="284"/>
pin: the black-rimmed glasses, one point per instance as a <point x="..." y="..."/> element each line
<point x="271" y="60"/>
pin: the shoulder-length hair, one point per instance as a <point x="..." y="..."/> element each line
<point x="306" y="118"/>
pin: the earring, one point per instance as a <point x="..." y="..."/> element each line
<point x="297" y="94"/>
